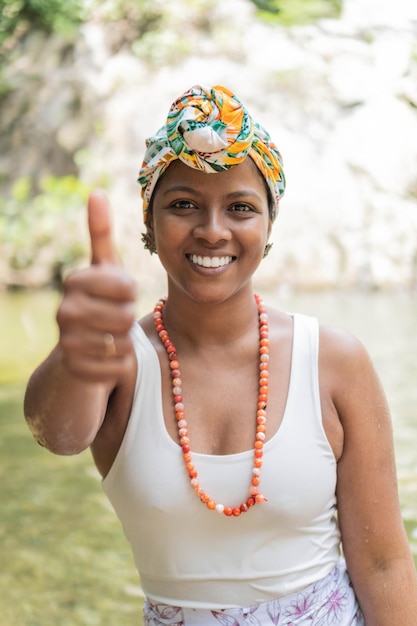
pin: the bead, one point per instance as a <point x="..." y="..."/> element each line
<point x="254" y="496"/>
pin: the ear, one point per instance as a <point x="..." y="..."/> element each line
<point x="148" y="238"/>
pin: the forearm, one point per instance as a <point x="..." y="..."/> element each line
<point x="388" y="595"/>
<point x="63" y="411"/>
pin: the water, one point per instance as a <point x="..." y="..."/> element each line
<point x="63" y="556"/>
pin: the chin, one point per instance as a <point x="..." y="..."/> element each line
<point x="212" y="294"/>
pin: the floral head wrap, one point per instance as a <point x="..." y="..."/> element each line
<point x="210" y="130"/>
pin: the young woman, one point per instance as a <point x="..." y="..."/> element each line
<point x="244" y="449"/>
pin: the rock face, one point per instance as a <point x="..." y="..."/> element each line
<point x="339" y="98"/>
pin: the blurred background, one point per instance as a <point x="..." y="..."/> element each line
<point x="82" y="84"/>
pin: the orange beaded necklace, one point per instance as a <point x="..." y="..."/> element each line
<point x="254" y="496"/>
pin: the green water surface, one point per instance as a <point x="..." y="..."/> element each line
<point x="64" y="561"/>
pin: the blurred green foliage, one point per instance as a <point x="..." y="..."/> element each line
<point x="290" y="12"/>
<point x="64" y="16"/>
<point x="19" y="16"/>
<point x="42" y="227"/>
<point x="146" y="26"/>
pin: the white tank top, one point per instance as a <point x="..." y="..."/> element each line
<point x="189" y="556"/>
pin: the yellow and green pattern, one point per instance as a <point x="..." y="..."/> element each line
<point x="210" y="130"/>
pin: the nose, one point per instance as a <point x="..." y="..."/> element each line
<point x="212" y="226"/>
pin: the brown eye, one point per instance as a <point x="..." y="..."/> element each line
<point x="183" y="204"/>
<point x="241" y="208"/>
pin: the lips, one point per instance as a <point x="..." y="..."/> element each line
<point x="210" y="261"/>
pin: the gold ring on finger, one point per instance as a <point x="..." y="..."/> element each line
<point x="109" y="346"/>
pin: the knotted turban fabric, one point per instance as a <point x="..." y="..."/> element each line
<point x="210" y="130"/>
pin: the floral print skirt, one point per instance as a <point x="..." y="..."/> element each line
<point x="330" y="602"/>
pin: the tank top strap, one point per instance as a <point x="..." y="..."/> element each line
<point x="303" y="402"/>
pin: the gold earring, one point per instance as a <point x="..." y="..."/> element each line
<point x="149" y="242"/>
<point x="267" y="249"/>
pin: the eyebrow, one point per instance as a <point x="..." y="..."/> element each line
<point x="245" y="192"/>
<point x="180" y="187"/>
<point x="239" y="193"/>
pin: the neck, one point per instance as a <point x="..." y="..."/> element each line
<point x="202" y="323"/>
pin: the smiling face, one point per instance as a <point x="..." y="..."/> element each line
<point x="210" y="229"/>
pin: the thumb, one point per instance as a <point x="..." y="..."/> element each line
<point x="99" y="225"/>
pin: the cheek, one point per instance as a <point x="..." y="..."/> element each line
<point x="166" y="235"/>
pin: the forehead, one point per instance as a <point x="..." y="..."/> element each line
<point x="243" y="176"/>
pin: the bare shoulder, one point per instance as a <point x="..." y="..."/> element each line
<point x="343" y="357"/>
<point x="351" y="379"/>
<point x="339" y="344"/>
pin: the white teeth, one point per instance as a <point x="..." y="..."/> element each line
<point x="208" y="261"/>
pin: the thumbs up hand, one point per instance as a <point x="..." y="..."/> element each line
<point x="97" y="310"/>
<point x="99" y="226"/>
